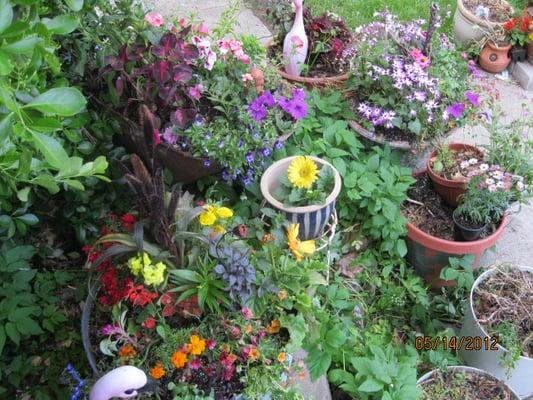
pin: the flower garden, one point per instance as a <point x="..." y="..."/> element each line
<point x="189" y="213"/>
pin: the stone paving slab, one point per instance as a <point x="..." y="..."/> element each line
<point x="210" y="11"/>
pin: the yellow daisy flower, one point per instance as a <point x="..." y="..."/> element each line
<point x="207" y="218"/>
<point x="297" y="247"/>
<point x="302" y="172"/>
<point x="224" y="212"/>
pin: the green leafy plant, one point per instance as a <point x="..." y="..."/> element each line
<point x="444" y="160"/>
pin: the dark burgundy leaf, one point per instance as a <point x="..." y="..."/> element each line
<point x="160" y="71"/>
<point x="167" y="94"/>
<point x="166" y="44"/>
<point x="182" y="73"/>
<point x="183" y="117"/>
<point x="191" y="52"/>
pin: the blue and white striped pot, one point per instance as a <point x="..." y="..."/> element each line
<point x="312" y="219"/>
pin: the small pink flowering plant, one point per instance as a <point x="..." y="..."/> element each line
<point x="408" y="79"/>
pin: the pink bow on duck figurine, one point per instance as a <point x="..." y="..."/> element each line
<point x="123" y="383"/>
<point x="296" y="43"/>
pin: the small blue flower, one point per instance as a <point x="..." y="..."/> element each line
<point x="208" y="135"/>
<point x="199" y="121"/>
<point x="240" y="143"/>
<point x="265" y="151"/>
<point x="255" y="135"/>
<point x="249" y="157"/>
<point x="278" y="144"/>
<point x="207" y="162"/>
<point x="221" y="144"/>
<point x="225" y="175"/>
<point x="246" y="180"/>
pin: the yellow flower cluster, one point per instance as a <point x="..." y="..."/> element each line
<point x="211" y="215"/>
<point x="297" y="247"/>
<point x="153" y="274"/>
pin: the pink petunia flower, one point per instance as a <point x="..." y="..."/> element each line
<point x="196" y="91"/>
<point x="247" y="313"/>
<point x="154" y="19"/>
<point x="202" y="28"/>
<point x="247" y="77"/>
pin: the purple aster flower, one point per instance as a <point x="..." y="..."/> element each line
<point x="456" y="110"/>
<point x="473" y="98"/>
<point x="169" y="137"/>
<point x="249" y="157"/>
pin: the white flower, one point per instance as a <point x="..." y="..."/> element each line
<point x="497" y="174"/>
<point x="489" y="181"/>
<point x="465" y="165"/>
<point x="472" y="161"/>
<point x="484" y="167"/>
<point x="500" y="185"/>
<point x="520" y="186"/>
<point x="492" y="188"/>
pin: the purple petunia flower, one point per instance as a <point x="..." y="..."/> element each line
<point x="267" y="99"/>
<point x="473" y="98"/>
<point x="298" y="109"/>
<point x="298" y="94"/>
<point x="169" y="137"/>
<point x="258" y="113"/>
<point x="249" y="157"/>
<point x="456" y="110"/>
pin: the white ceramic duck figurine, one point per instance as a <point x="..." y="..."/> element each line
<point x="296" y="43"/>
<point x="122" y="382"/>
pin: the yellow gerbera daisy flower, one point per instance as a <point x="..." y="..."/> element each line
<point x="297" y="247"/>
<point x="302" y="172"/>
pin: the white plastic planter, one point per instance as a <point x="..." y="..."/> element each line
<point x="467" y="26"/>
<point x="465" y="369"/>
<point x="520" y="378"/>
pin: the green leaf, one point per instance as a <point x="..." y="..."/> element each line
<point x="318" y="363"/>
<point x="22" y="46"/>
<point x="401" y="248"/>
<point x="373" y="162"/>
<point x="415" y="126"/>
<point x="75" y="5"/>
<point x="29" y="219"/>
<point x="5" y="64"/>
<point x="370" y="385"/>
<point x="74" y="184"/>
<point x="12" y="333"/>
<point x="52" y="150"/>
<point x="335" y="338"/>
<point x="62" y="24"/>
<point x="5" y="126"/>
<point x="6" y="97"/>
<point x="2" y="338"/>
<point x="22" y="194"/>
<point x="6" y="16"/>
<point x="47" y="182"/>
<point x="46" y="125"/>
<point x="65" y="101"/>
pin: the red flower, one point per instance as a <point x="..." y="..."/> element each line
<point x="241" y="231"/>
<point x="337" y="47"/>
<point x="524" y="27"/>
<point x="113" y="290"/>
<point x="200" y="203"/>
<point x="509" y="25"/>
<point x="210" y="344"/>
<point x="87" y="249"/>
<point x="128" y="220"/>
<point x="138" y="295"/>
<point x="149" y="323"/>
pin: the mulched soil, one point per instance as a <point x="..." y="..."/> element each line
<point x="499" y="10"/>
<point x="433" y="215"/>
<point x="507" y="297"/>
<point x="461" y="386"/>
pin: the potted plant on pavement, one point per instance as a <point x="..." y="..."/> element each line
<point x="407" y="86"/>
<point x="304" y="189"/>
<point x="483" y="204"/>
<point x="499" y="314"/>
<point x="460" y="383"/>
<point x="330" y="46"/>
<point x="517" y="30"/>
<point x="495" y="47"/>
<point x="451" y="166"/>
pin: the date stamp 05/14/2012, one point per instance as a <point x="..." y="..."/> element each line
<point x="457" y="343"/>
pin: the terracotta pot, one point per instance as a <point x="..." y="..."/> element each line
<point x="379" y="138"/>
<point x="312" y="219"/>
<point x="494" y="59"/>
<point x="468" y="27"/>
<point x="463" y="370"/>
<point x="428" y="255"/>
<point x="447" y="189"/>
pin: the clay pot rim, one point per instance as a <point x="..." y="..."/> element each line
<point x="477" y="282"/>
<point x="302" y="209"/>
<point x="314" y="81"/>
<point x="453" y="247"/>
<point x="397" y="144"/>
<point x="465" y="368"/>
<point x="475" y="20"/>
<point x="495" y="47"/>
<point x="448" y="182"/>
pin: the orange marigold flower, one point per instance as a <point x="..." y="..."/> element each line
<point x="231" y="358"/>
<point x="282" y="357"/>
<point x="179" y="359"/>
<point x="127" y="351"/>
<point x="267" y="237"/>
<point x="197" y="345"/>
<point x="158" y="371"/>
<point x="254" y="354"/>
<point x="248" y="329"/>
<point x="274" y="326"/>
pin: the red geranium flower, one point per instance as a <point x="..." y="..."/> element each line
<point x="509" y="25"/>
<point x="128" y="221"/>
<point x="149" y="323"/>
<point x="138" y="295"/>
